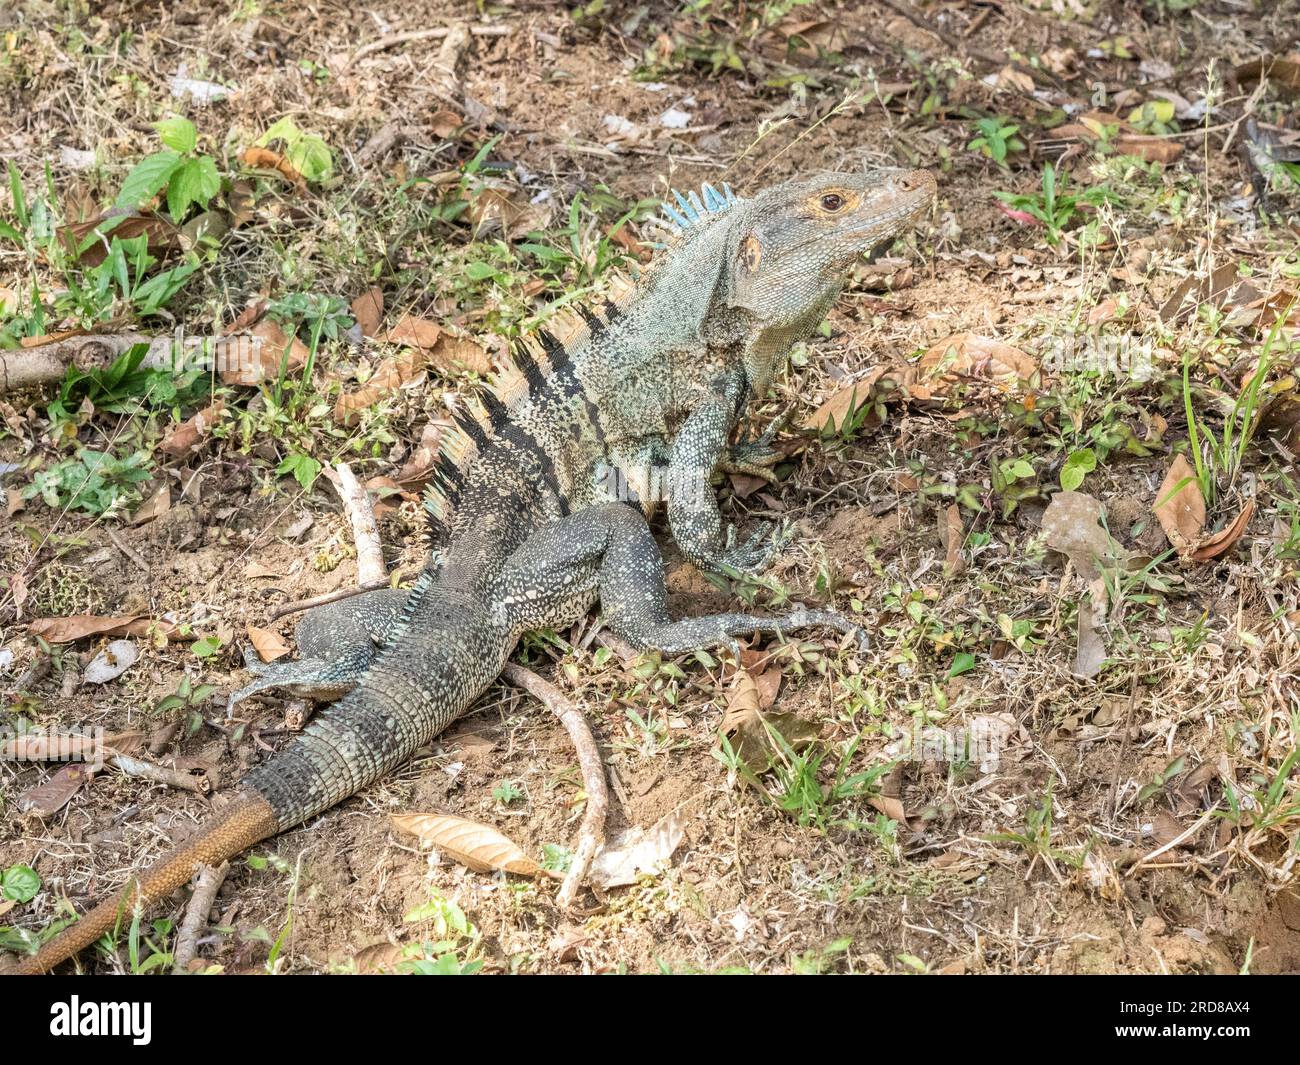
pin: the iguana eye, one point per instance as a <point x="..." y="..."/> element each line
<point x="832" y="202"/>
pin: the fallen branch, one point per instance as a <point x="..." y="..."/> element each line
<point x="328" y="597"/>
<point x="206" y="885"/>
<point x="592" y="834"/>
<point x="394" y="39"/>
<point x="173" y="778"/>
<point x="365" y="533"/>
<point x="45" y="363"/>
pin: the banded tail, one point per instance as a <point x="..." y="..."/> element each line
<point x="247" y="820"/>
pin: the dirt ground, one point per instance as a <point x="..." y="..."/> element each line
<point x="1144" y="818"/>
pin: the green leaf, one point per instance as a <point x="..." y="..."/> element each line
<point x="147" y="177"/>
<point x="195" y="181"/>
<point x="177" y="133"/>
<point x="479" y="271"/>
<point x="311" y="157"/>
<point x="1079" y="464"/>
<point x="304" y="468"/>
<point x="19" y="883"/>
<point x="961" y="663"/>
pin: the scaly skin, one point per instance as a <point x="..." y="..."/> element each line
<point x="534" y="529"/>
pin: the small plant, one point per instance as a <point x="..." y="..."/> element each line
<point x="453" y="954"/>
<point x="1037" y="837"/>
<point x="1077" y="466"/>
<point x="306" y="152"/>
<point x="507" y="792"/>
<point x="996" y="138"/>
<point x="1053" y="206"/>
<point x="93" y="481"/>
<point x="189" y="178"/>
<point x="190" y="699"/>
<point x="1161" y="779"/>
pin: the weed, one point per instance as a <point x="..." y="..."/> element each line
<point x="1054" y="207"/>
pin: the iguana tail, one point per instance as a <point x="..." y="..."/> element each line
<point x="246" y="820"/>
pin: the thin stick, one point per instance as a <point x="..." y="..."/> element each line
<point x="1123" y="747"/>
<point x="393" y="40"/>
<point x="328" y="597"/>
<point x="173" y="778"/>
<point x="206" y="886"/>
<point x="592" y="834"/>
<point x="365" y="533"/>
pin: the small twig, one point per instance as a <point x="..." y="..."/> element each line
<point x="43" y="363"/>
<point x="127" y="549"/>
<point x="1123" y="747"/>
<point x="365" y="533"/>
<point x="173" y="778"/>
<point x="592" y="834"/>
<point x="394" y="39"/>
<point x="328" y="597"/>
<point x="206" y="886"/>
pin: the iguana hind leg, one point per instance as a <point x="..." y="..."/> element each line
<point x="608" y="550"/>
<point x="336" y="644"/>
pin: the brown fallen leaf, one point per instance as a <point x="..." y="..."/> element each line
<point x="1180" y="507"/>
<point x="745" y="725"/>
<point x="414" y="332"/>
<point x="972" y="356"/>
<point x="1284" y="70"/>
<point x="263" y="362"/>
<point x="79" y="626"/>
<point x="390" y="375"/>
<point x="368" y="310"/>
<point x="950" y="533"/>
<point x="266" y="159"/>
<point x="452" y="351"/>
<point x="478" y="847"/>
<point x="837" y="411"/>
<point x="1217" y="544"/>
<point x="417" y="469"/>
<point x="157" y="504"/>
<point x="1072" y="526"/>
<point x="88" y="242"/>
<point x="51" y="796"/>
<point x="190" y="435"/>
<point x="1152" y="149"/>
<point x="268" y="645"/>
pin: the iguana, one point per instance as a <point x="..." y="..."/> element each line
<point x="631" y="401"/>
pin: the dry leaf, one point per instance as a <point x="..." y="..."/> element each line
<point x="48" y="798"/>
<point x="746" y="725"/>
<point x="1072" y="526"/>
<point x="264" y="365"/>
<point x="1180" y="507"/>
<point x="478" y="847"/>
<point x="1152" y="149"/>
<point x="414" y="332"/>
<point x="1090" y="654"/>
<point x="1217" y="544"/>
<point x="157" y="504"/>
<point x="971" y="355"/>
<point x="638" y="852"/>
<point x="834" y="414"/>
<point x="79" y="626"/>
<point x="452" y="351"/>
<point x="266" y="159"/>
<point x="111" y="662"/>
<point x="389" y="376"/>
<point x="368" y="310"/>
<point x="268" y="645"/>
<point x="187" y="437"/>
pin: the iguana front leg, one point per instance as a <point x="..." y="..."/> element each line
<point x="755" y="458"/>
<point x="336" y="644"/>
<point x="608" y="550"/>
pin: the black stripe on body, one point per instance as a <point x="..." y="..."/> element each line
<point x="524" y="442"/>
<point x="527" y="365"/>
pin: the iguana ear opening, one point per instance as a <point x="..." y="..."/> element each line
<point x="745" y="265"/>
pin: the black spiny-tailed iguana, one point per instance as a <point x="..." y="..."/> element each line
<point x="641" y="395"/>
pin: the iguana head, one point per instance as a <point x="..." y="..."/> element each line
<point x="797" y="240"/>
<point x="793" y="244"/>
